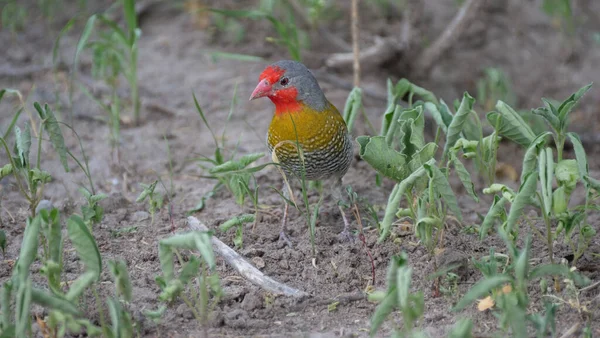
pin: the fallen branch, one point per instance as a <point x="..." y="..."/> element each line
<point x="242" y="266"/>
<point x="383" y="50"/>
<point x="461" y="21"/>
<point x="12" y="71"/>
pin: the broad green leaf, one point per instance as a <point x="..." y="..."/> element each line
<point x="54" y="133"/>
<point x="480" y="290"/>
<point x="6" y="170"/>
<point x="565" y="108"/>
<point x="456" y="126"/>
<point x="382" y="158"/>
<point x="23" y="144"/>
<point x="204" y="245"/>
<point x="403" y="278"/>
<point x="382" y="311"/>
<point x="190" y="270"/>
<point x="523" y="197"/>
<point x="391" y="127"/>
<point x="352" y="107"/>
<point x="579" y="154"/>
<point x="250" y="158"/>
<point x="29" y="248"/>
<point x="510" y="124"/>
<point x="391" y="114"/>
<point x="550" y="117"/>
<point x="465" y="177"/>
<point x="417" y="124"/>
<point x="443" y="188"/>
<point x="437" y="116"/>
<point x="118" y="269"/>
<point x="53" y="302"/>
<point x="395" y="198"/>
<point x="567" y="173"/>
<point x="531" y="155"/>
<point x="495" y="211"/>
<point x="85" y="244"/>
<point x="5" y="299"/>
<point x="82" y="283"/>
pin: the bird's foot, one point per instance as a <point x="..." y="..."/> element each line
<point x="285" y="238"/>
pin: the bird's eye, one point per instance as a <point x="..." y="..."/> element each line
<point x="284" y="81"/>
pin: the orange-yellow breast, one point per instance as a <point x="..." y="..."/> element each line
<point x="322" y="136"/>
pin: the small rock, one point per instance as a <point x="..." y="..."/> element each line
<point x="251" y="302"/>
<point x="284" y="264"/>
<point x="184" y="311"/>
<point x="233" y="292"/>
<point x="114" y="201"/>
<point x="258" y="262"/>
<point x="139" y="216"/>
<point x="44" y="205"/>
<point x="236" y="319"/>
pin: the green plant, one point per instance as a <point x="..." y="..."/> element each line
<point x="30" y="177"/>
<point x="114" y="54"/>
<point x="400" y="153"/>
<point x="398" y="297"/>
<point x="561" y="11"/>
<point x="539" y="166"/>
<point x="201" y="270"/>
<point x="155" y="200"/>
<point x="512" y="301"/>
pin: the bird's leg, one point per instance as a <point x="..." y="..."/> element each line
<point x="346" y="235"/>
<point x="282" y="235"/>
<point x="338" y="194"/>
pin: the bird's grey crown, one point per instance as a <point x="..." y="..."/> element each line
<point x="304" y="81"/>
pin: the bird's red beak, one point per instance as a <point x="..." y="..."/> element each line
<point x="262" y="89"/>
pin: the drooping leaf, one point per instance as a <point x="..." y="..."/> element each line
<point x="52" y="302"/>
<point x="465" y="177"/>
<point x="490" y="218"/>
<point x="54" y="133"/>
<point x="456" y="126"/>
<point x="510" y="124"/>
<point x="443" y="188"/>
<point x="382" y="158"/>
<point x="579" y="154"/>
<point x="531" y="155"/>
<point x="395" y="198"/>
<point x="526" y="191"/>
<point x="118" y="269"/>
<point x="352" y="107"/>
<point x="85" y="244"/>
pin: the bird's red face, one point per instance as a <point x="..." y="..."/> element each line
<point x="274" y="84"/>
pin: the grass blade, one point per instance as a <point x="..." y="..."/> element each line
<point x="481" y="289"/>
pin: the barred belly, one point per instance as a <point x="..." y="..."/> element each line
<point x="330" y="161"/>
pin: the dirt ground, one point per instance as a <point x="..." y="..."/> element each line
<point x="174" y="62"/>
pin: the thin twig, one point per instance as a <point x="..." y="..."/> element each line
<point x="461" y="21"/>
<point x="355" y="48"/>
<point x="242" y="266"/>
<point x="571" y="331"/>
<point x="590" y="287"/>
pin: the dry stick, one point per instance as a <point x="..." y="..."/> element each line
<point x="461" y="21"/>
<point x="242" y="266"/>
<point x="355" y="49"/>
<point x="570" y="332"/>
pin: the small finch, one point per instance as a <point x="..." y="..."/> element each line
<point x="304" y="117"/>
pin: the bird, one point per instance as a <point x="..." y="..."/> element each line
<point x="304" y="117"/>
